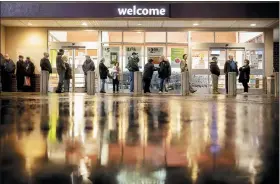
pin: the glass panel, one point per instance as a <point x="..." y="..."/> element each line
<point x="111" y="36"/>
<point x="256" y="58"/>
<point x="155" y="36"/>
<point x="251" y="37"/>
<point x="256" y="81"/>
<point x="226" y="37"/>
<point x="74" y="36"/>
<point x="202" y="37"/>
<point x="154" y="51"/>
<point x="200" y="81"/>
<point x="133" y="37"/>
<point x="200" y="59"/>
<point x="238" y="56"/>
<point x="220" y="54"/>
<point x="177" y="37"/>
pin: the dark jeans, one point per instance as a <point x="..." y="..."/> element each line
<point x="245" y="85"/>
<point x="115" y="84"/>
<point x="162" y="85"/>
<point x="6" y="80"/>
<point x="61" y="77"/>
<point x="131" y="81"/>
<point x="20" y="82"/>
<point x="147" y="83"/>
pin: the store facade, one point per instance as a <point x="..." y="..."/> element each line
<point x="152" y="30"/>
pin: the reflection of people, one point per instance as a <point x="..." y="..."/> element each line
<point x="103" y="72"/>
<point x="184" y="67"/>
<point x="148" y="74"/>
<point x="68" y="74"/>
<point x="7" y="71"/>
<point x="132" y="66"/>
<point x="215" y="71"/>
<point x="116" y="77"/>
<point x="20" y="73"/>
<point x="164" y="73"/>
<point x="87" y="66"/>
<point x="60" y="67"/>
<point x="244" y="76"/>
<point x="230" y="66"/>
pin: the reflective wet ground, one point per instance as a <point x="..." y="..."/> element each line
<point x="75" y="138"/>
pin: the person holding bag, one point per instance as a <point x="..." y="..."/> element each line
<point x="244" y="75"/>
<point x="29" y="75"/>
<point x="116" y="77"/>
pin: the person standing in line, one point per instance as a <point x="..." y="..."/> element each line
<point x="149" y="69"/>
<point x="244" y="76"/>
<point x="116" y="77"/>
<point x="103" y="72"/>
<point x="20" y="73"/>
<point x="184" y="67"/>
<point x="45" y="63"/>
<point x="68" y="74"/>
<point x="215" y="71"/>
<point x="87" y="66"/>
<point x="60" y="67"/>
<point x="132" y="67"/>
<point x="164" y="73"/>
<point x="29" y="75"/>
<point x="7" y="71"/>
<point x="230" y="66"/>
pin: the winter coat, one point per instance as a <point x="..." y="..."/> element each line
<point x="20" y="68"/>
<point x="116" y="72"/>
<point x="68" y="72"/>
<point x="132" y="65"/>
<point x="227" y="68"/>
<point x="214" y="68"/>
<point x="184" y="66"/>
<point x="244" y="74"/>
<point x="60" y="65"/>
<point x="88" y="66"/>
<point x="103" y="71"/>
<point x="8" y="67"/>
<point x="164" y="70"/>
<point x="46" y="65"/>
<point x="29" y="68"/>
<point x="149" y="69"/>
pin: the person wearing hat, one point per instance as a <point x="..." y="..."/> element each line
<point x="60" y="67"/>
<point x="215" y="71"/>
<point x="29" y="75"/>
<point x="149" y="69"/>
<point x="20" y="73"/>
<point x="132" y="67"/>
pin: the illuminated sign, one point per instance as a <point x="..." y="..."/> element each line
<point x="134" y="11"/>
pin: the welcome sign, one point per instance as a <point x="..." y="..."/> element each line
<point x="143" y="10"/>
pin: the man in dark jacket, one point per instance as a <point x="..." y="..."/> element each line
<point x="215" y="71"/>
<point x="7" y="71"/>
<point x="164" y="73"/>
<point x="103" y="72"/>
<point x="147" y="75"/>
<point x="29" y="74"/>
<point x="230" y="66"/>
<point x="45" y="63"/>
<point x="132" y="66"/>
<point x="60" y="67"/>
<point x="20" y="73"/>
<point x="87" y="66"/>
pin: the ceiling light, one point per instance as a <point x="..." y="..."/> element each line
<point x="139" y="24"/>
<point x="138" y="32"/>
<point x="253" y="25"/>
<point x="195" y="24"/>
<point x="84" y="24"/>
<point x="30" y="24"/>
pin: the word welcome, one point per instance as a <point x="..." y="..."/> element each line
<point x="141" y="11"/>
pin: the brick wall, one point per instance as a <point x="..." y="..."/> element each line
<point x="276" y="56"/>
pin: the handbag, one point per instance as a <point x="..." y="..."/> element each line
<point x="27" y="81"/>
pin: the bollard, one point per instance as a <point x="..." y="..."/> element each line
<point x="44" y="82"/>
<point x="257" y="83"/>
<point x="138" y="82"/>
<point x="185" y="88"/>
<point x="264" y="85"/>
<point x="270" y="85"/>
<point x="276" y="83"/>
<point x="90" y="83"/>
<point x="232" y="83"/>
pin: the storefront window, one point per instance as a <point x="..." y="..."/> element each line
<point x="74" y="36"/>
<point x="154" y="51"/>
<point x="177" y="37"/>
<point x="200" y="59"/>
<point x="226" y="37"/>
<point x="175" y="55"/>
<point x="202" y="37"/>
<point x="256" y="58"/>
<point x="251" y="37"/>
<point x="133" y="37"/>
<point x="128" y="50"/>
<point x="155" y="37"/>
<point x="111" y="36"/>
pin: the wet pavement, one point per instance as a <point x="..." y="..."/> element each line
<point x="153" y="139"/>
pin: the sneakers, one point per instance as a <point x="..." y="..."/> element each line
<point x="245" y="93"/>
<point x="160" y="92"/>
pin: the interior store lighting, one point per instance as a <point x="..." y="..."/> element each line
<point x="195" y="24"/>
<point x="253" y="25"/>
<point x="84" y="24"/>
<point x="29" y="23"/>
<point x="139" y="24"/>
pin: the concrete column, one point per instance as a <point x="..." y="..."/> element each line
<point x="90" y="83"/>
<point x="276" y="83"/>
<point x="232" y="83"/>
<point x="44" y="82"/>
<point x="185" y="88"/>
<point x="138" y="86"/>
<point x="270" y="85"/>
<point x="268" y="47"/>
